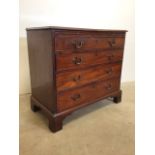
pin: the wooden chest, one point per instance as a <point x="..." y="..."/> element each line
<point x="72" y="67"/>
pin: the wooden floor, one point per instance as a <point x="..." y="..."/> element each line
<point x="83" y="133"/>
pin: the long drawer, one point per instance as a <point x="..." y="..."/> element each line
<point x="75" y="42"/>
<point x="86" y="94"/>
<point x="69" y="79"/>
<point x="81" y="60"/>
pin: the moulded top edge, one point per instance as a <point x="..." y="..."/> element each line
<point x="71" y="28"/>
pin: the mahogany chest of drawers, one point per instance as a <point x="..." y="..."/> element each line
<point x="72" y="67"/>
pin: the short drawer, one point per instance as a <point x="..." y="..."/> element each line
<point x="69" y="79"/>
<point x="86" y="94"/>
<point x="82" y="42"/>
<point x="81" y="60"/>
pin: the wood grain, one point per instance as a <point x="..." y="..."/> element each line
<point x="72" y="98"/>
<point x="65" y="42"/>
<point x="67" y="61"/>
<point x="76" y="78"/>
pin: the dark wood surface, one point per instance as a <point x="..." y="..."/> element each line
<point x="88" y="93"/>
<point x="71" y="68"/>
<point x="76" y="78"/>
<point x="76" y="41"/>
<point x="82" y="60"/>
<point x="73" y="29"/>
<point x="42" y="67"/>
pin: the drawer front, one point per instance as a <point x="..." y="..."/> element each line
<point x="80" y="60"/>
<point x="86" y="94"/>
<point x="70" y="79"/>
<point x="76" y="42"/>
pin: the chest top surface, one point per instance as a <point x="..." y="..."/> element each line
<point x="72" y="28"/>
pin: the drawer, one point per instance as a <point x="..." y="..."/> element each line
<point x="69" y="79"/>
<point x="81" y="42"/>
<point x="80" y="60"/>
<point x="86" y="94"/>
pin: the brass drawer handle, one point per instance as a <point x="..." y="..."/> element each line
<point x="78" y="43"/>
<point x="76" y="97"/>
<point x="112" y="42"/>
<point x="77" y="78"/>
<point x="77" y="60"/>
<point x="109" y="86"/>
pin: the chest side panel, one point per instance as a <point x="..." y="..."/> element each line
<point x="41" y="67"/>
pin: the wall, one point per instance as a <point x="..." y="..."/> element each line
<point x="109" y="14"/>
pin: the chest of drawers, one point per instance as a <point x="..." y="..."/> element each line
<point x="71" y="68"/>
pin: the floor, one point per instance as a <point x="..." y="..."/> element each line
<point x="103" y="128"/>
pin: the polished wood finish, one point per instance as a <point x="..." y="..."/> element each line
<point x="77" y="30"/>
<point x="42" y="67"/>
<point x="81" y="60"/>
<point x="74" y="42"/>
<point x="72" y="67"/>
<point x="75" y="78"/>
<point x="88" y="93"/>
